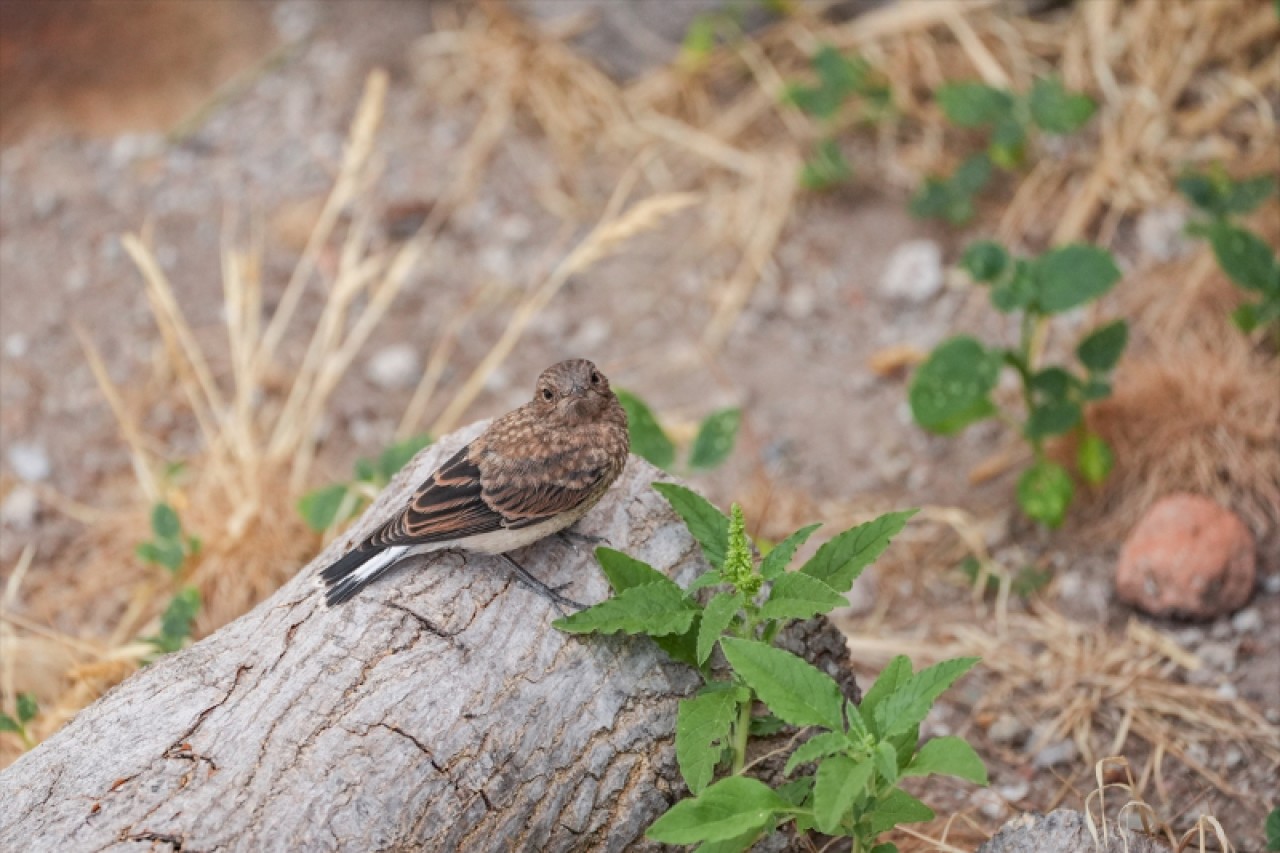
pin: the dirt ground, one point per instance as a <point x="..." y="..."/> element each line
<point x="263" y="93"/>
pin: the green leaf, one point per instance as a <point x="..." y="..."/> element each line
<point x="895" y="808"/>
<point x="1096" y="389"/>
<point x="950" y="756"/>
<point x="798" y="596"/>
<point x="706" y="579"/>
<point x="702" y="729"/>
<point x="395" y="457"/>
<point x="950" y="389"/>
<point x="911" y="700"/>
<point x="839" y="561"/>
<point x="1054" y="383"/>
<point x="775" y="562"/>
<point x="647" y="438"/>
<point x="165" y="552"/>
<point x="683" y="646"/>
<point x="793" y="689"/>
<point x="624" y="571"/>
<point x="1053" y="418"/>
<point x="894" y="675"/>
<point x="1273" y="819"/>
<point x="1073" y="275"/>
<point x="175" y="622"/>
<point x="719" y="612"/>
<point x="1201" y="190"/>
<point x="1018" y="290"/>
<point x="974" y="104"/>
<point x="9" y="724"/>
<point x="952" y="199"/>
<point x="731" y="845"/>
<point x="838" y="784"/>
<point x="164" y="522"/>
<point x="1056" y="110"/>
<point x="797" y="791"/>
<point x="1102" y="348"/>
<point x="1247" y="194"/>
<point x="715" y="439"/>
<point x="820" y="745"/>
<point x="699" y="39"/>
<point x="730" y="808"/>
<point x="887" y="847"/>
<point x="826" y="168"/>
<point x="1045" y="491"/>
<point x="707" y="524"/>
<point x="27" y="708"/>
<point x="985" y="261"/>
<point x="1245" y="258"/>
<point x="1008" y="147"/>
<point x="1246" y="317"/>
<point x="767" y="725"/>
<point x="656" y="609"/>
<point x="886" y="759"/>
<point x="319" y="508"/>
<point x="1094" y="459"/>
<point x="971" y="176"/>
<point x="837" y="72"/>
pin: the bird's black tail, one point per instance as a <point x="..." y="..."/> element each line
<point x="356" y="570"/>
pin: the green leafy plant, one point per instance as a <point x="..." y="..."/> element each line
<point x="1244" y="256"/>
<point x="1007" y="120"/>
<point x="1273" y="819"/>
<point x="847" y="90"/>
<point x="952" y="389"/>
<point x="712" y="445"/>
<point x="329" y="505"/>
<point x="169" y="546"/>
<point x="175" y="623"/>
<point x="845" y="776"/>
<point x="26" y="711"/>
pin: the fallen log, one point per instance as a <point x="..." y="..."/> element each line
<point x="439" y="710"/>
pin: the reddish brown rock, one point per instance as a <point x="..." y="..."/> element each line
<point x="1188" y="556"/>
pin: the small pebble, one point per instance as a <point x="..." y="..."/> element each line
<point x="1014" y="793"/>
<point x="991" y="804"/>
<point x="18" y="510"/>
<point x="1247" y="621"/>
<point x="1233" y="757"/>
<point x="15" y="346"/>
<point x="1218" y="656"/>
<point x="914" y="273"/>
<point x="1061" y="752"/>
<point x="394" y="367"/>
<point x="29" y="461"/>
<point x="1271" y="584"/>
<point x="1228" y="691"/>
<point x="1007" y="729"/>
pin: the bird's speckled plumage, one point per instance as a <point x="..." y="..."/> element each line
<point x="533" y="472"/>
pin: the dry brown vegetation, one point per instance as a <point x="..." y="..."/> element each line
<point x="1178" y="83"/>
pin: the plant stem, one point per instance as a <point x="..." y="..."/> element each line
<point x="740" y="733"/>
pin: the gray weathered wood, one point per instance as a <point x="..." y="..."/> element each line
<point x="437" y="711"/>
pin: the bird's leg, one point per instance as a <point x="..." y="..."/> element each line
<point x="573" y="538"/>
<point x="552" y="595"/>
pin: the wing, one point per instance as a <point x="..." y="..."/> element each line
<point x="456" y="503"/>
<point x="449" y="505"/>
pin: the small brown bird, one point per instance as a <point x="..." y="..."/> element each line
<point x="532" y="473"/>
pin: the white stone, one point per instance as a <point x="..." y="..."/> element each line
<point x="394" y="367"/>
<point x="1247" y="621"/>
<point x="29" y="461"/>
<point x="1162" y="232"/>
<point x="1056" y="753"/>
<point x="19" y="508"/>
<point x="1015" y="792"/>
<point x="914" y="273"/>
<point x="15" y="346"/>
<point x="1007" y="729"/>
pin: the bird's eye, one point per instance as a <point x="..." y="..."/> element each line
<point x="548" y="395"/>
<point x="595" y="378"/>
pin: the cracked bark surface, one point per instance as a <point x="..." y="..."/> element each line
<point x="438" y="710"/>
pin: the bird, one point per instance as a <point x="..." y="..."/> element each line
<point x="533" y="472"/>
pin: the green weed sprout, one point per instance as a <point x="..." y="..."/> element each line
<point x="715" y="439"/>
<point x="952" y="389"/>
<point x="1243" y="256"/>
<point x="1008" y="120"/>
<point x="844" y="778"/>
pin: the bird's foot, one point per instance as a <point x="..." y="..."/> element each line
<point x="552" y="594"/>
<point x="574" y="538"/>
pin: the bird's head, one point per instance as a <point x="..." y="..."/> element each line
<point x="573" y="391"/>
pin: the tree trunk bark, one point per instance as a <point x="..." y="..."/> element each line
<point x="439" y="710"/>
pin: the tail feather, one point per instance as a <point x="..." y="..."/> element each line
<point x="356" y="570"/>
